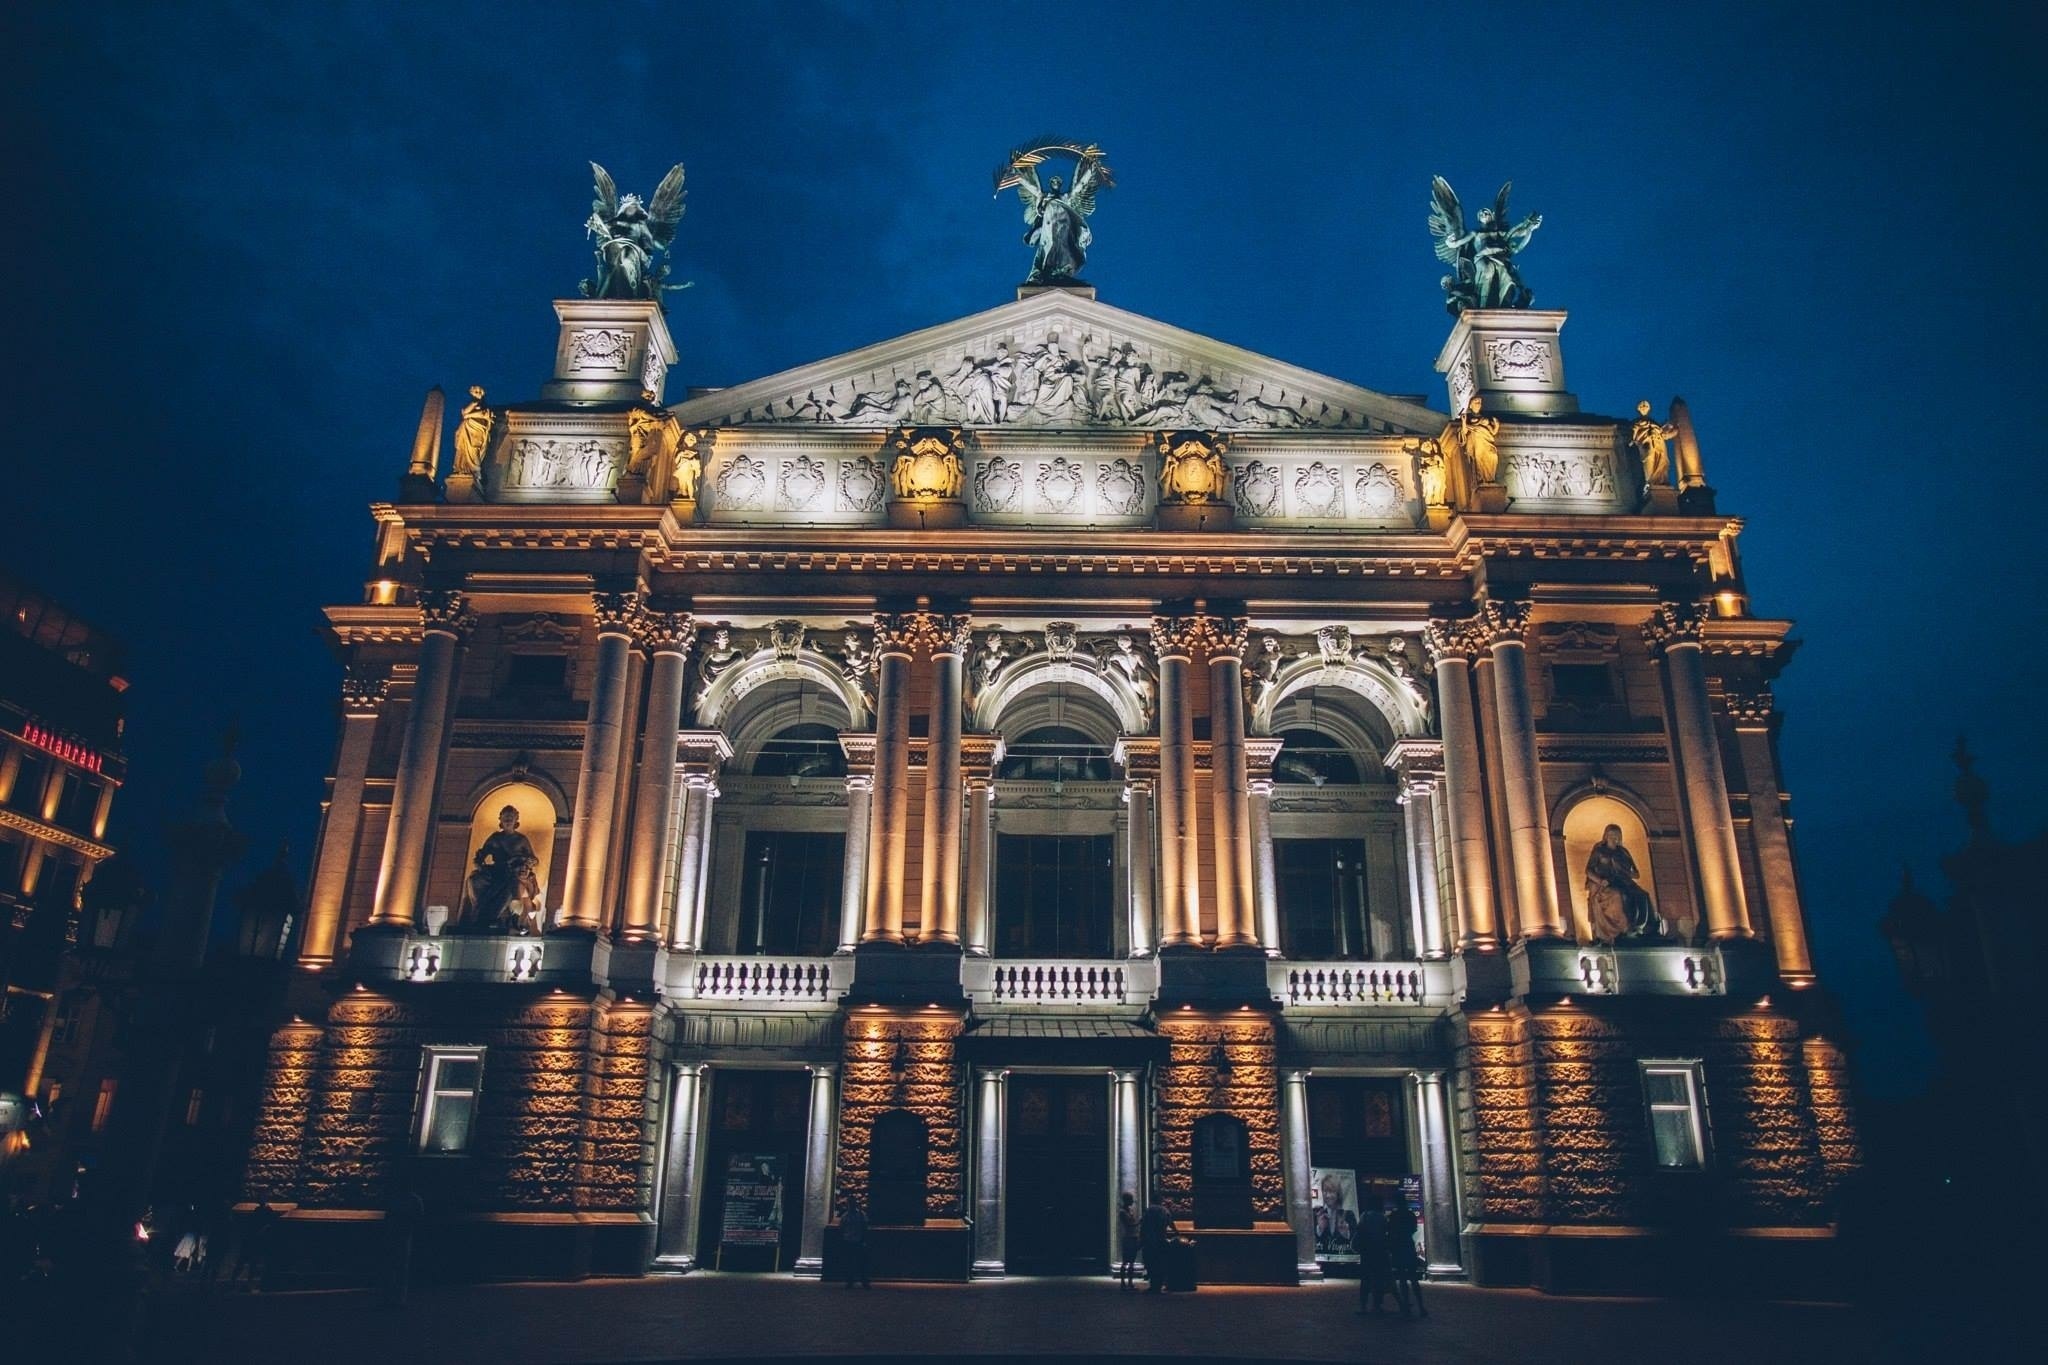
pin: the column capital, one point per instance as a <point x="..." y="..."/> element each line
<point x="923" y="631"/>
<point x="702" y="752"/>
<point x="446" y="610"/>
<point x="659" y="630"/>
<point x="1416" y="762"/>
<point x="1674" y="624"/>
<point x="859" y="748"/>
<point x="616" y="612"/>
<point x="363" y="690"/>
<point x="1448" y="640"/>
<point x="1259" y="753"/>
<point x="979" y="755"/>
<point x="1295" y="1075"/>
<point x="1751" y="704"/>
<point x="1139" y="755"/>
<point x="992" y="1073"/>
<point x="1201" y="636"/>
<point x="818" y="1069"/>
<point x="1502" y="621"/>
<point x="694" y="1070"/>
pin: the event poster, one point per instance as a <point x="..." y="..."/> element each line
<point x="1394" y="1190"/>
<point x="1333" y="1195"/>
<point x="753" y="1202"/>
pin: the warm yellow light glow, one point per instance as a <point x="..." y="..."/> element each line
<point x="384" y="592"/>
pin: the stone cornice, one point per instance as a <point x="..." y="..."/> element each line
<point x="52" y="834"/>
<point x="374" y="625"/>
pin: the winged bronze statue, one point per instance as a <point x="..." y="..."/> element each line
<point x="1482" y="259"/>
<point x="1055" y="216"/>
<point x="629" y="233"/>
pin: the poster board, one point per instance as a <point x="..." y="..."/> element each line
<point x="1402" y="1190"/>
<point x="1333" y="1207"/>
<point x="753" y="1202"/>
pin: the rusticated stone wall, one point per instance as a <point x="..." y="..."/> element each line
<point x="620" y="1109"/>
<point x="278" y="1141"/>
<point x="932" y="1086"/>
<point x="1834" y="1109"/>
<point x="1190" y="1087"/>
<point x="1554" y="1129"/>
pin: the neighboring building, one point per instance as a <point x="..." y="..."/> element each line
<point x="60" y="764"/>
<point x="1024" y="773"/>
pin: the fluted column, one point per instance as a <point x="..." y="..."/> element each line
<point x="1130" y="1138"/>
<point x="860" y="790"/>
<point x="1449" y="648"/>
<point x="979" y="755"/>
<point x="676" y="1242"/>
<point x="988" y="1172"/>
<point x="1139" y="756"/>
<point x="1180" y="911"/>
<point x="1417" y="764"/>
<point x="1535" y="868"/>
<point x="1294" y="1148"/>
<point x="810" y="1255"/>
<point x="361" y="697"/>
<point x="445" y="624"/>
<point x="1441" y="1226"/>
<point x="596" y="810"/>
<point x="1237" y="923"/>
<point x="947" y="637"/>
<point x="1754" y="716"/>
<point x="882" y="919"/>
<point x="667" y="636"/>
<point x="1674" y="632"/>
<point x="1259" y="756"/>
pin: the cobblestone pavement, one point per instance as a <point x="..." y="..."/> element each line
<point x="708" y="1317"/>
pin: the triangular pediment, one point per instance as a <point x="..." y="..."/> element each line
<point x="1057" y="360"/>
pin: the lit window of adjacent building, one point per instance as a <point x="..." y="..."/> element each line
<point x="1678" y="1121"/>
<point x="194" y="1104"/>
<point x="104" y="1105"/>
<point x="448" y="1103"/>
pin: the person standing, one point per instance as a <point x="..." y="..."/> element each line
<point x="1402" y="1262"/>
<point x="1128" y="1224"/>
<point x="853" y="1242"/>
<point x="1155" y="1231"/>
<point x="1375" y="1280"/>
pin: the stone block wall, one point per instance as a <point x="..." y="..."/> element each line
<point x="622" y="1105"/>
<point x="1497" y="1137"/>
<point x="932" y="1086"/>
<point x="277" y="1142"/>
<point x="1834" y="1109"/>
<point x="1189" y="1087"/>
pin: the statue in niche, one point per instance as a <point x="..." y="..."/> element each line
<point x="719" y="655"/>
<point x="1482" y="259"/>
<point x="502" y="894"/>
<point x="629" y="233"/>
<point x="1056" y="217"/>
<point x="473" y="433"/>
<point x="1470" y="446"/>
<point x="654" y="435"/>
<point x="859" y="661"/>
<point x="1262" y="670"/>
<point x="1616" y="905"/>
<point x="1652" y="442"/>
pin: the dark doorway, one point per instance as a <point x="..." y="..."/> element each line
<point x="762" y="1115"/>
<point x="1323" y="899"/>
<point x="1056" y="1187"/>
<point x="1357" y="1147"/>
<point x="899" y="1158"/>
<point x="1222" y="1172"/>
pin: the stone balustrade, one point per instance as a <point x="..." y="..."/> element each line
<point x="1082" y="982"/>
<point x="744" y="980"/>
<point x="1359" y="985"/>
<point x="1627" y="969"/>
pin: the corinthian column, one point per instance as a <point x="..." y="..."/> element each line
<point x="1450" y="652"/>
<point x="701" y="753"/>
<point x="1229" y="786"/>
<point x="445" y="622"/>
<point x="895" y="636"/>
<point x="1505" y="625"/>
<point x="1180" y="911"/>
<point x="361" y="697"/>
<point x="1259" y="756"/>
<point x="860" y="790"/>
<point x="1674" y="633"/>
<point x="979" y="756"/>
<point x="1755" y="716"/>
<point x="947" y="637"/>
<point x="1417" y="763"/>
<point x="597" y="782"/>
<point x="667" y="636"/>
<point x="1140" y="759"/>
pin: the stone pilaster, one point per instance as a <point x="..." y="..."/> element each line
<point x="1418" y="767"/>
<point x="700" y="754"/>
<point x="1755" y="715"/>
<point x="1674" y="634"/>
<point x="1450" y="649"/>
<point x="1259" y="756"/>
<point x="1140" y="759"/>
<point x="445" y="623"/>
<point x="860" y="791"/>
<point x="979" y="755"/>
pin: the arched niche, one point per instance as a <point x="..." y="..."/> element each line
<point x="734" y="700"/>
<point x="755" y="718"/>
<point x="1585" y="821"/>
<point x="1038" y="690"/>
<point x="537" y="811"/>
<point x="1222" y="1171"/>
<point x="1394" y="710"/>
<point x="807" y="749"/>
<point x="1347" y="718"/>
<point x="1057" y="753"/>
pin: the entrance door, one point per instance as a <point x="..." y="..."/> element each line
<point x="754" y="1153"/>
<point x="1056" y="1187"/>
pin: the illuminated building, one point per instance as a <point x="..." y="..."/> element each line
<point x="1052" y="754"/>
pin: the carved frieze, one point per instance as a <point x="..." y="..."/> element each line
<point x="1060" y="484"/>
<point x="603" y="348"/>
<point x="862" y="485"/>
<point x="742" y="482"/>
<point x="1519" y="358"/>
<point x="568" y="463"/>
<point x="800" y="482"/>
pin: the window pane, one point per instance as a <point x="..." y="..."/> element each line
<point x="1054" y="895"/>
<point x="448" y="1125"/>
<point x="1671" y="1132"/>
<point x="790" y="897"/>
<point x="1667" y="1087"/>
<point x="455" y="1073"/>
<point x="1322" y="898"/>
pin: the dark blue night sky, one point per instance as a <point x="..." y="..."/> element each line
<point x="246" y="239"/>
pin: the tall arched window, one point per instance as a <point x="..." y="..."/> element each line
<point x="1321" y="880"/>
<point x="1055" y="880"/>
<point x="790" y="884"/>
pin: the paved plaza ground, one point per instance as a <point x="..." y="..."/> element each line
<point x="711" y="1317"/>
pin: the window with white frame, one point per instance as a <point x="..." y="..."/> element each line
<point x="1678" y="1121"/>
<point x="454" y="1076"/>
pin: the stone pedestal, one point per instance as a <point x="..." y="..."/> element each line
<point x="1660" y="500"/>
<point x="1490" y="498"/>
<point x="459" y="488"/>
<point x="1510" y="358"/>
<point x="609" y="351"/>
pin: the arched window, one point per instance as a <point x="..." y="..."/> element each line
<point x="1056" y="753"/>
<point x="1222" y="1172"/>
<point x="1316" y="759"/>
<point x="511" y="851"/>
<point x="1612" y="889"/>
<point x="810" y="749"/>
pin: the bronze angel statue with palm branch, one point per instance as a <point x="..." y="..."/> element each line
<point x="1482" y="258"/>
<point x="1056" y="216"/>
<point x="629" y="233"/>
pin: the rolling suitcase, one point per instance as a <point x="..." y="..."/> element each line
<point x="1180" y="1268"/>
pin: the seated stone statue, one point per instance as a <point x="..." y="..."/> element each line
<point x="1615" y="903"/>
<point x="503" y="889"/>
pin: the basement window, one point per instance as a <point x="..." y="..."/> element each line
<point x="1678" y="1124"/>
<point x="454" y="1077"/>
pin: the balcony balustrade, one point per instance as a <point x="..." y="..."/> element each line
<point x="1359" y="985"/>
<point x="1628" y="969"/>
<point x="1087" y="983"/>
